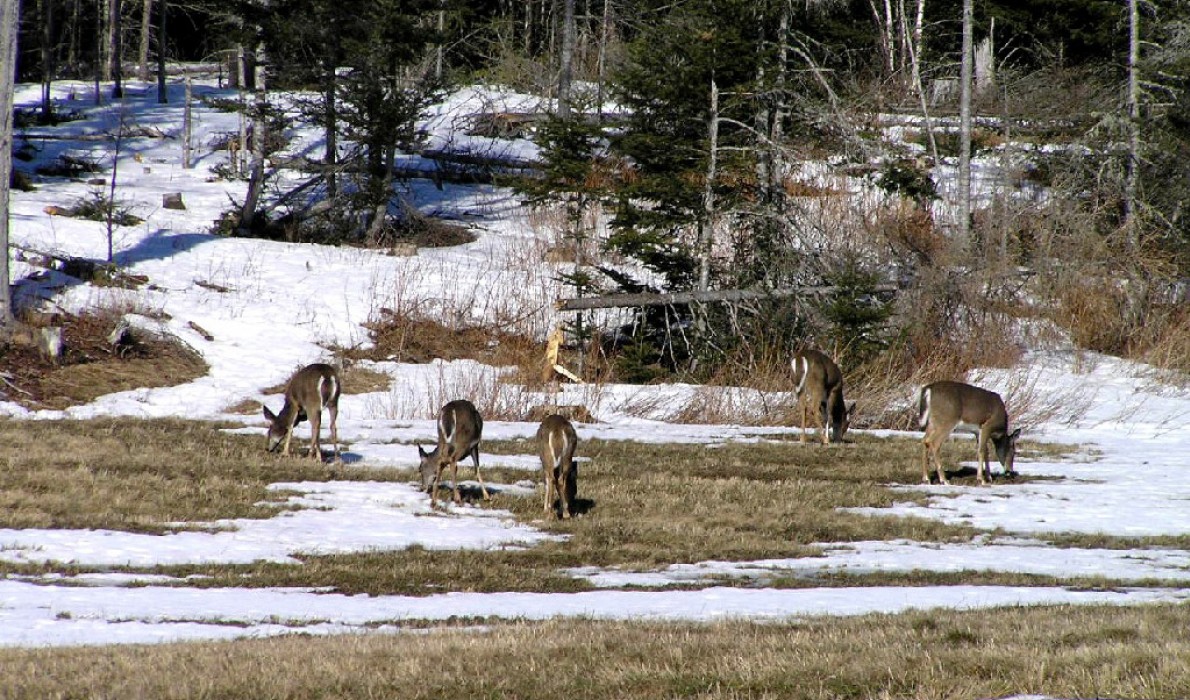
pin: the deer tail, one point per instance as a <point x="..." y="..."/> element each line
<point x="804" y="368"/>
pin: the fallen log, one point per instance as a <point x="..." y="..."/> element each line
<point x="615" y="301"/>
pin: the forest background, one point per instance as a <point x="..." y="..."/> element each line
<point x="693" y="144"/>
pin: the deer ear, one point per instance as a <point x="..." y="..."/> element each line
<point x="269" y="414"/>
<point x="1015" y="434"/>
<point x="422" y="452"/>
<point x="851" y="409"/>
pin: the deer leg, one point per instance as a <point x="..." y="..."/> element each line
<point x="454" y="479"/>
<point x="315" y="426"/>
<point x="288" y="435"/>
<point x="482" y="487"/>
<point x="434" y="486"/>
<point x="334" y="411"/>
<point x="804" y="410"/>
<point x="933" y="446"/>
<point x="982" y="464"/>
<point x="824" y="420"/>
<point x="564" y="488"/>
<point x="925" y="461"/>
<point x="549" y="487"/>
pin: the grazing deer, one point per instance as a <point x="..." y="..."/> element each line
<point x="309" y="390"/>
<point x="819" y="383"/>
<point x="944" y="405"/>
<point x="460" y="428"/>
<point x="556" y="441"/>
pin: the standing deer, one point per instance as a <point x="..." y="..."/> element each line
<point x="819" y="383"/>
<point x="556" y="442"/>
<point x="460" y="428"/>
<point x="308" y="391"/>
<point x="944" y="405"/>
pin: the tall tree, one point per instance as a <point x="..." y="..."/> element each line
<point x="566" y="63"/>
<point x="965" y="77"/>
<point x="146" y="31"/>
<point x="9" y="22"/>
<point x="47" y="59"/>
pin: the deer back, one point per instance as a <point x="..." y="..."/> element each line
<point x="460" y="428"/>
<point x="556" y="442"/>
<point x="819" y="381"/>
<point x="309" y="390"/>
<point x="947" y="404"/>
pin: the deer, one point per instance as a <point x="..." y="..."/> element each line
<point x="308" y="391"/>
<point x="460" y="428"/>
<point x="556" y="442"/>
<point x="945" y="405"/>
<point x="819" y="383"/>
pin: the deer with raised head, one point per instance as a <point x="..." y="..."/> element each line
<point x="944" y="405"/>
<point x="308" y="391"/>
<point x="556" y="442"/>
<point x="460" y="428"/>
<point x="818" y="383"/>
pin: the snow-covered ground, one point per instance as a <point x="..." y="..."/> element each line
<point x="284" y="304"/>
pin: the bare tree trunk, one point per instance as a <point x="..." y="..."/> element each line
<point x="117" y="51"/>
<point x="438" y="50"/>
<point x="187" y="127"/>
<point x="380" y="212"/>
<point x="601" y="60"/>
<point x="104" y="37"/>
<point x="331" y="156"/>
<point x="72" y="44"/>
<point x="566" y="69"/>
<point x="47" y="60"/>
<point x="256" y="174"/>
<point x="777" y="131"/>
<point x="146" y="31"/>
<point x="706" y="227"/>
<point x="10" y="13"/>
<point x="100" y="62"/>
<point x="162" y="89"/>
<point x="915" y="77"/>
<point x="1131" y="170"/>
<point x="964" y="193"/>
<point x="915" y="45"/>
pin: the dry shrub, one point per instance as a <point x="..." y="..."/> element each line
<point x="1031" y="403"/>
<point x="910" y="230"/>
<point x="1093" y="310"/>
<point x="484" y="386"/>
<point x="421" y="340"/>
<point x="90" y="367"/>
<point x="734" y="405"/>
<point x="1170" y="348"/>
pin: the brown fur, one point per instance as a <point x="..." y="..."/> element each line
<point x="818" y="383"/>
<point x="460" y="428"/>
<point x="556" y="443"/>
<point x="308" y="391"/>
<point x="944" y="405"/>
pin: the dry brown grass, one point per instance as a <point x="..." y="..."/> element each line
<point x="135" y="475"/>
<point x="643" y="505"/>
<point x="648" y="506"/>
<point x="1069" y="652"/>
<point x="89" y="367"/>
<point x="406" y="338"/>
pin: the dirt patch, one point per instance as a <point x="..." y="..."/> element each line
<point x="396" y="337"/>
<point x="90" y="366"/>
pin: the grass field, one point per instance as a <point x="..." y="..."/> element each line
<point x="1062" y="652"/>
<point x="645" y="506"/>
